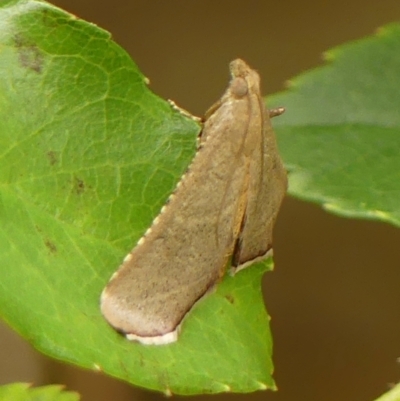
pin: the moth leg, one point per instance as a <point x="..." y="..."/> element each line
<point x="212" y="109"/>
<point x="276" y="112"/>
<point x="201" y="137"/>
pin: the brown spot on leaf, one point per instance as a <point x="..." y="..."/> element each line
<point x="52" y="156"/>
<point x="230" y="298"/>
<point x="79" y="186"/>
<point x="51" y="246"/>
<point x="29" y="55"/>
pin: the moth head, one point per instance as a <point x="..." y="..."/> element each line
<point x="244" y="79"/>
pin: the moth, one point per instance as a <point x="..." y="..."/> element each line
<point x="223" y="209"/>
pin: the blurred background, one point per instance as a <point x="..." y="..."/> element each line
<point x="334" y="294"/>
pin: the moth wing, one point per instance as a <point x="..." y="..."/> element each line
<point x="185" y="251"/>
<point x="267" y="187"/>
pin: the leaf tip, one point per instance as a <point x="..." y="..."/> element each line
<point x="328" y="56"/>
<point x="262" y="386"/>
<point x="168" y="392"/>
<point x="290" y="84"/>
<point x="97" y="367"/>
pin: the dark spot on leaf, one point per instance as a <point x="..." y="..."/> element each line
<point x="124" y="368"/>
<point x="230" y="298"/>
<point x="48" y="19"/>
<point x="52" y="156"/>
<point x="141" y="361"/>
<point x="51" y="246"/>
<point x="79" y="186"/>
<point x="29" y="55"/>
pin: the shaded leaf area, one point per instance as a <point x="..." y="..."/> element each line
<point x="23" y="392"/>
<point x="340" y="136"/>
<point x="88" y="155"/>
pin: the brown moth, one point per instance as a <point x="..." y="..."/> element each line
<point x="224" y="207"/>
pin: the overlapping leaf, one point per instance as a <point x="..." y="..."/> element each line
<point x="340" y="137"/>
<point x="23" y="392"/>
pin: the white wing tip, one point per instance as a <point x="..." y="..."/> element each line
<point x="167" y="338"/>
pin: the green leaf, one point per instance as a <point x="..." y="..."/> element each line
<point x="88" y="155"/>
<point x="340" y="136"/>
<point x="392" y="395"/>
<point x="23" y="392"/>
